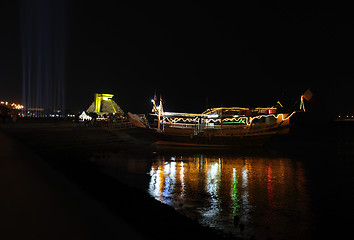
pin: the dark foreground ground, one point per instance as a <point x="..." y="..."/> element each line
<point x="50" y="191"/>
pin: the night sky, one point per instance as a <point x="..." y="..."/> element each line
<point x="196" y="55"/>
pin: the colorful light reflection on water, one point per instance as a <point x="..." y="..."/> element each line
<point x="270" y="195"/>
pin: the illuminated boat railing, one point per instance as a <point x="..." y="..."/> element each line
<point x="123" y="124"/>
<point x="180" y="125"/>
<point x="208" y="126"/>
<point x="228" y="130"/>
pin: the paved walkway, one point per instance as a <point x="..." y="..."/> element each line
<point x="37" y="202"/>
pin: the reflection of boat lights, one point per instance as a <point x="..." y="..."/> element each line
<point x="212" y="179"/>
<point x="173" y="170"/>
<point x="235" y="193"/>
<point x="166" y="170"/>
<point x="167" y="188"/>
<point x="244" y="177"/>
<point x="219" y="188"/>
<point x="212" y="187"/>
<point x="155" y="186"/>
<point x="181" y="177"/>
<point x="271" y="214"/>
<point x="170" y="179"/>
<point x="245" y="194"/>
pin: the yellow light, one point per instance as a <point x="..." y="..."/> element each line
<point x="13" y="105"/>
<point x="99" y="97"/>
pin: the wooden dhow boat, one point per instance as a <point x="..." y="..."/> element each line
<point x="215" y="127"/>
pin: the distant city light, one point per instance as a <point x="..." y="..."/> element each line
<point x="345" y="117"/>
<point x="12" y="105"/>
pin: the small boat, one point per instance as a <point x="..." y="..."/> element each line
<point x="216" y="127"/>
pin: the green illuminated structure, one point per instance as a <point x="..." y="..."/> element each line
<point x="104" y="104"/>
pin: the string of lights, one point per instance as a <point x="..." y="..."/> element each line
<point x="12" y="105"/>
<point x="209" y="116"/>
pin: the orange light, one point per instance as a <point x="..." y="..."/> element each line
<point x="13" y="105"/>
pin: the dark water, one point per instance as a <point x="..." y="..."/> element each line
<point x="270" y="195"/>
<point x="274" y="197"/>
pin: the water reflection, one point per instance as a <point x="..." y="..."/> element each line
<point x="268" y="194"/>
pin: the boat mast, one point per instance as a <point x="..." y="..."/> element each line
<point x="159" y="120"/>
<point x="160" y="109"/>
<point x="221" y="120"/>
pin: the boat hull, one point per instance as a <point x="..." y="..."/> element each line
<point x="200" y="134"/>
<point x="163" y="139"/>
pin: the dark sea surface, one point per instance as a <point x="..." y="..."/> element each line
<point x="269" y="195"/>
<point x="253" y="194"/>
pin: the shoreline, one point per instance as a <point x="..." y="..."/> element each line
<point x="153" y="219"/>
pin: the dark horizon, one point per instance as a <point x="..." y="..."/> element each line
<point x="196" y="56"/>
